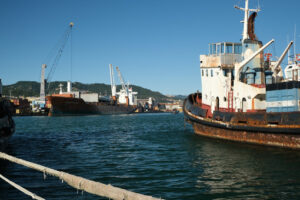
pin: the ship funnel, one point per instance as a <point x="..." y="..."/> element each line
<point x="0" y="87"/>
<point x="69" y="87"/>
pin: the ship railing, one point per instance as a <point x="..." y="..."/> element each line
<point x="77" y="182"/>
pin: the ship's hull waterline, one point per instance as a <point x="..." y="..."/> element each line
<point x="287" y="136"/>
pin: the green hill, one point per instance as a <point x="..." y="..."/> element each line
<point x="32" y="88"/>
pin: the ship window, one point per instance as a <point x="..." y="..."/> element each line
<point x="218" y="49"/>
<point x="211" y="73"/>
<point x="228" y="48"/>
<point x="206" y="72"/>
<point x="213" y="49"/>
<point x="237" y="49"/>
<point x="288" y="74"/>
<point x="202" y="72"/>
<point x="225" y="71"/>
<point x="222" y="48"/>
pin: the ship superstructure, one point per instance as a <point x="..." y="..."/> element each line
<point x="245" y="97"/>
<point x="126" y="95"/>
<point x="232" y="74"/>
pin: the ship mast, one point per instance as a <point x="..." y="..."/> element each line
<point x="246" y="16"/>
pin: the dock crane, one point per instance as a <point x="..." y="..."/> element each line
<point x="41" y="103"/>
<point x="62" y="43"/>
<point x="124" y="91"/>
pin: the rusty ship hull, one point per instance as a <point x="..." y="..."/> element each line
<point x="273" y="129"/>
<point x="61" y="106"/>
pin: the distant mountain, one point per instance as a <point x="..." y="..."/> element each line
<point x="179" y="97"/>
<point x="32" y="88"/>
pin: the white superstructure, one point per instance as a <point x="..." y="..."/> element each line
<point x="232" y="74"/>
<point x="126" y="95"/>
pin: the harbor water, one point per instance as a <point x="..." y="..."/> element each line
<point x="151" y="154"/>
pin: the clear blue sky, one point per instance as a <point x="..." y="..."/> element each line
<point x="156" y="43"/>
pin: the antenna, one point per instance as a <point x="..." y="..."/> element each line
<point x="258" y="5"/>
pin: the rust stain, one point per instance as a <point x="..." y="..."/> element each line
<point x="279" y="140"/>
<point x="251" y="26"/>
<point x="245" y="127"/>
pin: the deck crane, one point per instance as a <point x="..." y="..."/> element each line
<point x="62" y="43"/>
<point x="112" y="83"/>
<point x="124" y="91"/>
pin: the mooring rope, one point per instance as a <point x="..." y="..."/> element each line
<point x="18" y="187"/>
<point x="80" y="183"/>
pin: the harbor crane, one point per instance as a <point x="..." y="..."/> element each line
<point x="62" y="43"/>
<point x="124" y="91"/>
<point x="112" y="83"/>
<point x="121" y="79"/>
<point x="40" y="104"/>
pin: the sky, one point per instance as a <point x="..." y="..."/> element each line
<point x="155" y="43"/>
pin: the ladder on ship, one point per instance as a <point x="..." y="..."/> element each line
<point x="230" y="101"/>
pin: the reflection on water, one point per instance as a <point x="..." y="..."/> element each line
<point x="151" y="154"/>
<point x="233" y="170"/>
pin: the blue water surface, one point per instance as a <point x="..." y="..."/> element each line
<point x="151" y="154"/>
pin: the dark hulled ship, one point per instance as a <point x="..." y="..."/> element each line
<point x="7" y="124"/>
<point x="81" y="103"/>
<point x="62" y="105"/>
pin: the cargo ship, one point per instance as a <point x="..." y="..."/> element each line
<point x="7" y="125"/>
<point x="82" y="103"/>
<point x="69" y="105"/>
<point x="245" y="97"/>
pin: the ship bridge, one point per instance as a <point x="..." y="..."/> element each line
<point x="222" y="54"/>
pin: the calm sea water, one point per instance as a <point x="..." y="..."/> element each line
<point x="152" y="154"/>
